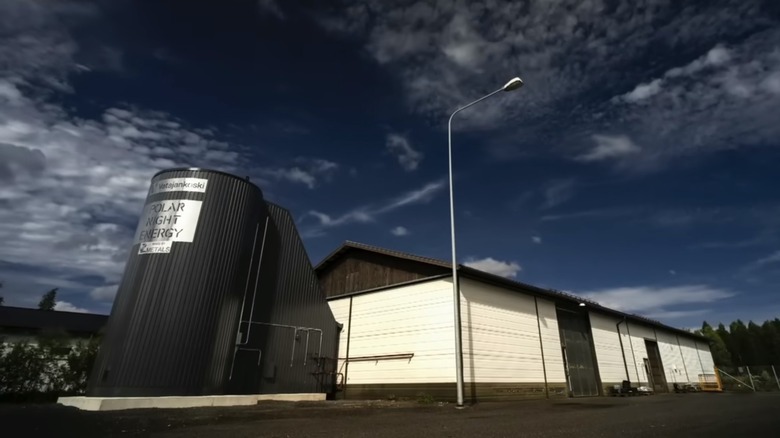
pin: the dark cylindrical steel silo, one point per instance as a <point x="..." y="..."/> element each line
<point x="173" y="327"/>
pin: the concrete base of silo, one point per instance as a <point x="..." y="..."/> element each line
<point x="175" y="402"/>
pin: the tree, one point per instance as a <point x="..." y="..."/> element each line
<point x="720" y="353"/>
<point x="48" y="300"/>
<point x="1" y="298"/>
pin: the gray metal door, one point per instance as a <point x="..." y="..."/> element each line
<point x="656" y="367"/>
<point x="579" y="363"/>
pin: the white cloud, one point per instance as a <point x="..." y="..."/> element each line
<point x="493" y="266"/>
<point x="399" y="231"/>
<point x="408" y="157"/>
<point x="65" y="306"/>
<point x="536" y="239"/>
<point x="71" y="187"/>
<point x="610" y="147"/>
<point x="9" y="92"/>
<point x="672" y="272"/>
<point x="367" y="213"/>
<point x="717" y="56"/>
<point x="557" y="192"/>
<point x="422" y="195"/>
<point x="643" y="91"/>
<point x="308" y="171"/>
<point x="360" y="216"/>
<point x="650" y="300"/>
<point x="446" y="54"/>
<point x="104" y="293"/>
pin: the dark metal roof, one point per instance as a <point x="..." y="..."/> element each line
<point x="35" y="319"/>
<point x="502" y="281"/>
<point x="348" y="245"/>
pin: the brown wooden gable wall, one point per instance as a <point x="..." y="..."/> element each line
<point x="359" y="270"/>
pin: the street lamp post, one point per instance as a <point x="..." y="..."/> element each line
<point x="511" y="85"/>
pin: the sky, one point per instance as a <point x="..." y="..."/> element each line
<point x="637" y="167"/>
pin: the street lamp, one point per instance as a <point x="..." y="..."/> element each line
<point x="513" y="84"/>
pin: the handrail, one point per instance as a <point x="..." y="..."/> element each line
<point x="380" y="357"/>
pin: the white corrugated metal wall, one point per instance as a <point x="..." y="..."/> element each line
<point x="500" y="339"/>
<point x="501" y="336"/>
<point x="415" y="319"/>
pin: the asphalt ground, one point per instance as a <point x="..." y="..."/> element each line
<point x="672" y="415"/>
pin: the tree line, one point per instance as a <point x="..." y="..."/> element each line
<point x="740" y="344"/>
<point x="48" y="300"/>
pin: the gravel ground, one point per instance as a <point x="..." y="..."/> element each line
<point x="674" y="415"/>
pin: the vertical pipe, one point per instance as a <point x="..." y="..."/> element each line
<point x="292" y="354"/>
<point x="698" y="354"/>
<point x="257" y="279"/>
<point x="633" y="354"/>
<point x="541" y="348"/>
<point x="238" y="340"/>
<point x="776" y="380"/>
<point x="246" y="286"/>
<point x="622" y="350"/>
<point x="306" y="351"/>
<point x="346" y="359"/>
<point x="685" y="367"/>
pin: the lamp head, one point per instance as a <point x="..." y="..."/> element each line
<point x="513" y="84"/>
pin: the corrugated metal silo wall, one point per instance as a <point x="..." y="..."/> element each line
<point x="173" y="324"/>
<point x="278" y="356"/>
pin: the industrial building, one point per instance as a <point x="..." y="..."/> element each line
<point x="219" y="298"/>
<point x="518" y="340"/>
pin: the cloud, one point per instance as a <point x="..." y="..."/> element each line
<point x="17" y="160"/>
<point x="77" y="183"/>
<point x="407" y="156"/>
<point x="643" y="91"/>
<point x="399" y="231"/>
<point x="422" y="195"/>
<point x="557" y="192"/>
<point x="536" y="239"/>
<point x="650" y="300"/>
<point x="64" y="306"/>
<point x="721" y="100"/>
<point x="493" y="266"/>
<point x="350" y="217"/>
<point x="717" y="56"/>
<point x="266" y="7"/>
<point x="761" y="263"/>
<point x="104" y="293"/>
<point x="308" y="171"/>
<point x="368" y="213"/>
<point x="610" y="147"/>
<point x="589" y="67"/>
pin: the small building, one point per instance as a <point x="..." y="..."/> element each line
<point x="518" y="340"/>
<point x="19" y="324"/>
